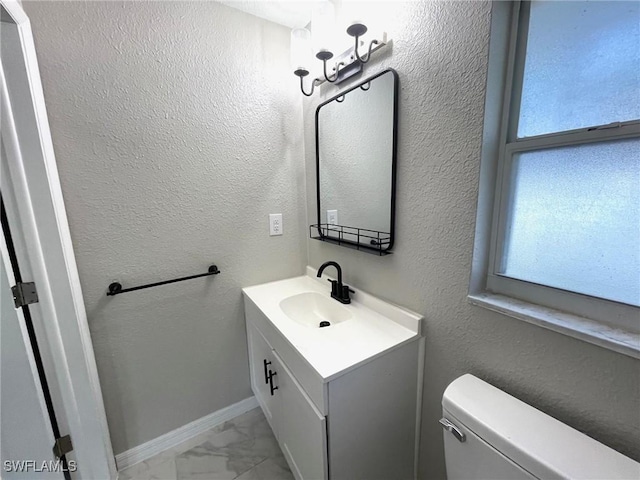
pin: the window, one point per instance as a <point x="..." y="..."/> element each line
<point x="565" y="168"/>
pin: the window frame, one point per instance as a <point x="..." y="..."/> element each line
<point x="619" y="323"/>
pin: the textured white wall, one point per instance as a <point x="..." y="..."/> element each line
<point x="171" y="153"/>
<point x="440" y="51"/>
<point x="177" y="130"/>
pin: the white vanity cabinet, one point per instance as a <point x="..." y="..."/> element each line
<point x="356" y="423"/>
<point x="302" y="429"/>
<point x="261" y="363"/>
<point x="297" y="424"/>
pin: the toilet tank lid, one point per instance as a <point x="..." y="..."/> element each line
<point x="532" y="439"/>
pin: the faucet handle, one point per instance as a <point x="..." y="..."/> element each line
<point x="345" y="293"/>
<point x="334" y="287"/>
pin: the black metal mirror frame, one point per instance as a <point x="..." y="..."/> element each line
<point x="394" y="154"/>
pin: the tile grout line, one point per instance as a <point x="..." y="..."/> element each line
<point x="253" y="467"/>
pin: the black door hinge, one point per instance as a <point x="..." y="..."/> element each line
<point x="62" y="446"/>
<point x="24" y="294"/>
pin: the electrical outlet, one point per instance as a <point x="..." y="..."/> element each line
<point x="332" y="217"/>
<point x="275" y="224"/>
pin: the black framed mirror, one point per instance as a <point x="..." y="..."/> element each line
<point x="356" y="151"/>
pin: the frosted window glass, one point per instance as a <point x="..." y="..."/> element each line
<point x="575" y="220"/>
<point x="582" y="66"/>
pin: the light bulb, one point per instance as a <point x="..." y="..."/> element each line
<point x="323" y="23"/>
<point x="355" y="14"/>
<point x="351" y="13"/>
<point x="300" y="49"/>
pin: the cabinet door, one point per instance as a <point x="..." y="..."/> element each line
<point x="261" y="362"/>
<point x="302" y="428"/>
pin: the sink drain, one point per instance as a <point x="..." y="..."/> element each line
<point x="325" y="324"/>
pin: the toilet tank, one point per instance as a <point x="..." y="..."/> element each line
<point x="491" y="435"/>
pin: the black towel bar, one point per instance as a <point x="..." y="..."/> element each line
<point x="116" y="288"/>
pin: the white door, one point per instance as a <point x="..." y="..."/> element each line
<point x="40" y="233"/>
<point x="26" y="434"/>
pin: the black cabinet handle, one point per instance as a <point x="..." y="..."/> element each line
<point x="266" y="375"/>
<point x="271" y="375"/>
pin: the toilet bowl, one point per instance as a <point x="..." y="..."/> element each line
<point x="488" y="434"/>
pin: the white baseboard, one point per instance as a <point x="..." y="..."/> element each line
<point x="175" y="437"/>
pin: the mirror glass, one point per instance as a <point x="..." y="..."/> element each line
<point x="355" y="155"/>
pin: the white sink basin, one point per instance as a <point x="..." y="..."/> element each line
<point x="311" y="308"/>
<point x="359" y="332"/>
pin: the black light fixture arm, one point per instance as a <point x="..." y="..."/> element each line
<point x="313" y="84"/>
<point x="336" y="68"/>
<point x="368" y="57"/>
<point x="301" y="74"/>
<point x="352" y="60"/>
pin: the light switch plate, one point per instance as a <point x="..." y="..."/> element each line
<point x="275" y="224"/>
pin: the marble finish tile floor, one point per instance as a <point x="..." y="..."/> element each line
<point x="243" y="448"/>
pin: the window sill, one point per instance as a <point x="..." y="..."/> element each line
<point x="618" y="340"/>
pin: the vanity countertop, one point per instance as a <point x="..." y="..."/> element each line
<point x="376" y="326"/>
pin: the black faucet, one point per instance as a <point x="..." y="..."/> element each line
<point x="339" y="291"/>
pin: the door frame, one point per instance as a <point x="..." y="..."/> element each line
<point x="35" y="209"/>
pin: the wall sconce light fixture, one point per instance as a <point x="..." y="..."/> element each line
<point x="346" y="65"/>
